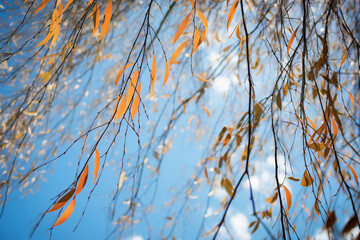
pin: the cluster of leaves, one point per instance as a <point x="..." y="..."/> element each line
<point x="300" y="57"/>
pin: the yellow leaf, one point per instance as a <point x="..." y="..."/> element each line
<point x="166" y="75"/>
<point x="292" y="39"/>
<point x="307" y="180"/>
<point x="153" y="75"/>
<point x="201" y="78"/>
<point x="231" y="14"/>
<point x="41" y="6"/>
<point x="96" y="18"/>
<point x="206" y="110"/>
<point x="228" y="186"/>
<point x="288" y="196"/>
<point x="182" y="27"/>
<point x="132" y="85"/>
<point x="344" y="58"/>
<point x="96" y="164"/>
<point x="121" y="181"/>
<point x="177" y="52"/>
<point x="82" y="180"/>
<point x="107" y="19"/>
<point x="136" y="102"/>
<point x="353" y="172"/>
<point x="67" y="213"/>
<point x="122" y="107"/>
<point x="121" y="72"/>
<point x="59" y="204"/>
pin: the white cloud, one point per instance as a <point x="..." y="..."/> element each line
<point x="239" y="225"/>
<point x="135" y="237"/>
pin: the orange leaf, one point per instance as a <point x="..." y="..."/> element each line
<point x="41" y="6"/>
<point x="335" y="129"/>
<point x="177" y="52"/>
<point x="96" y="18"/>
<point x="82" y="180"/>
<point x="107" y="19"/>
<point x="207" y="176"/>
<point x="238" y="32"/>
<point x="68" y="211"/>
<point x="231" y="14"/>
<point x="272" y="199"/>
<point x="292" y="39"/>
<point x="153" y="75"/>
<point x="62" y="201"/>
<point x="353" y="172"/>
<point x="132" y="85"/>
<point x="122" y="107"/>
<point x="166" y="75"/>
<point x="288" y="196"/>
<point x="307" y="180"/>
<point x="182" y="27"/>
<point x="206" y="110"/>
<point x="201" y="78"/>
<point x="195" y="40"/>
<point x="121" y="72"/>
<point x="344" y="58"/>
<point x="68" y="4"/>
<point x="136" y="102"/>
<point x="96" y="164"/>
<point x="352" y="99"/>
<point x="203" y="20"/>
<point x="192" y="3"/>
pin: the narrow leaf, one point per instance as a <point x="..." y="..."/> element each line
<point x="41" y="6"/>
<point x="96" y="18"/>
<point x="166" y="75"/>
<point x="354" y="173"/>
<point x="203" y="20"/>
<point x="107" y="19"/>
<point x="292" y="39"/>
<point x="153" y="75"/>
<point x="82" y="180"/>
<point x="272" y="199"/>
<point x="136" y="102"/>
<point x="59" y="204"/>
<point x="118" y="76"/>
<point x="122" y="107"/>
<point x="231" y="14"/>
<point x="195" y="40"/>
<point x="96" y="164"/>
<point x="182" y="27"/>
<point x="177" y="52"/>
<point x="206" y="110"/>
<point x="67" y="213"/>
<point x="288" y="196"/>
<point x="344" y="58"/>
<point x="201" y="78"/>
<point x="121" y="180"/>
<point x="68" y="4"/>
<point x="132" y="85"/>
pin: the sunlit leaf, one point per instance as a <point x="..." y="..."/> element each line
<point x="59" y="204"/>
<point x="41" y="6"/>
<point x="122" y="107"/>
<point x="153" y="75"/>
<point x="107" y="19"/>
<point x="288" y="196"/>
<point x="206" y="110"/>
<point x="68" y="4"/>
<point x="132" y="85"/>
<point x="182" y="27"/>
<point x="317" y="146"/>
<point x="344" y="58"/>
<point x="166" y="75"/>
<point x="293" y="179"/>
<point x="96" y="18"/>
<point x="177" y="53"/>
<point x="66" y="214"/>
<point x="201" y="78"/>
<point x="96" y="164"/>
<point x="272" y="199"/>
<point x="121" y="181"/>
<point x="118" y="76"/>
<point x="231" y="14"/>
<point x="353" y="172"/>
<point x="195" y="40"/>
<point x="136" y="103"/>
<point x="292" y="40"/>
<point x="82" y="180"/>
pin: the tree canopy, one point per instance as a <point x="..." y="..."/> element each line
<point x="200" y="115"/>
